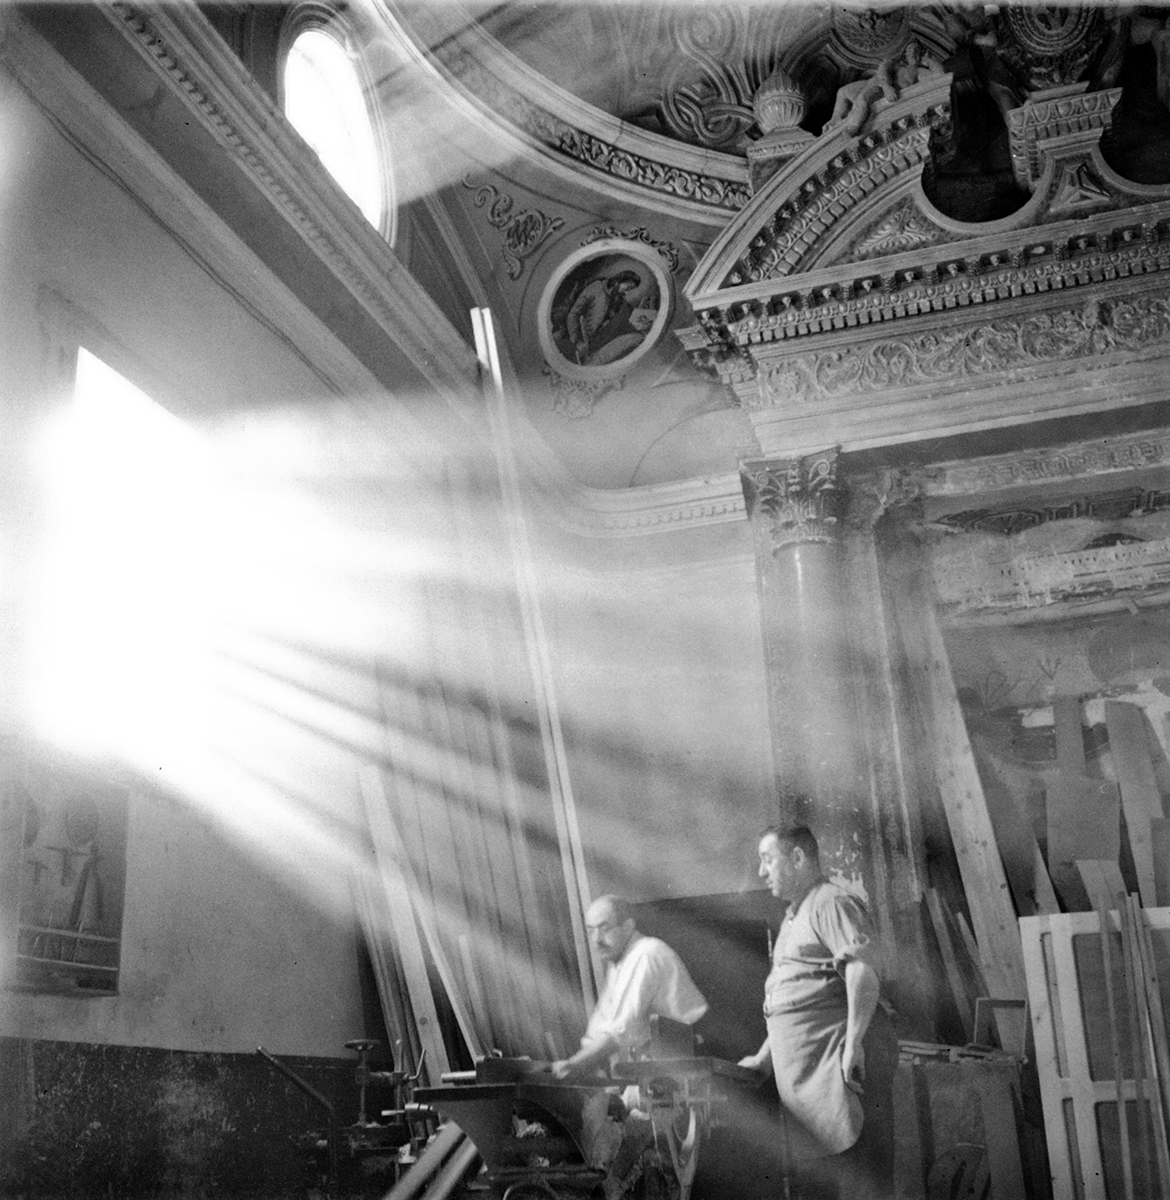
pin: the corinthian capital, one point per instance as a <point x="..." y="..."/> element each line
<point x="798" y="497"/>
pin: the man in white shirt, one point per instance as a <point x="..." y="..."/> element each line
<point x="644" y="978"/>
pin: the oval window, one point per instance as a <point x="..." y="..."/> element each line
<point x="323" y="101"/>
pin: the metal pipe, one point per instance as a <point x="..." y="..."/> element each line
<point x="429" y="1163"/>
<point x="451" y="1176"/>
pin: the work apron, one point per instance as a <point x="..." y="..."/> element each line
<point x="824" y="1113"/>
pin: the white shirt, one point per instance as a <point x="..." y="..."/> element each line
<point x="648" y="980"/>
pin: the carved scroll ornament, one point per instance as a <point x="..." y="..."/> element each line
<point x="1095" y="328"/>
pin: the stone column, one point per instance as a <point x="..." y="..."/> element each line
<point x="840" y="735"/>
<point x="795" y="506"/>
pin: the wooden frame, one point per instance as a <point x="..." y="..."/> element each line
<point x="1066" y="1053"/>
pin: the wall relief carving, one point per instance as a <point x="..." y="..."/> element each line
<point x="575" y="399"/>
<point x="524" y="230"/>
<point x="905" y="228"/>
<point x="1092" y="329"/>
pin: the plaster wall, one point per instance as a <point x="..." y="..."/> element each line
<point x="219" y="952"/>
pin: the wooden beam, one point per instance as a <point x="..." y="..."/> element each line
<point x="992" y="913"/>
<point x="1103" y="906"/>
<point x="1019" y="851"/>
<point x="950" y="961"/>
<point x="1084" y="822"/>
<point x="398" y="905"/>
<point x="540" y="657"/>
<point x="1140" y="800"/>
<point x="1160" y="849"/>
<point x="1070" y="737"/>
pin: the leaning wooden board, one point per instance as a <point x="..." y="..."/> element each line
<point x="1074" y="1053"/>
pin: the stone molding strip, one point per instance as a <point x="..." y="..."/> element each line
<point x="189" y="57"/>
<point x="653" y="509"/>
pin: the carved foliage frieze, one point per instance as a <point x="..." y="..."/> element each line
<point x="904" y="228"/>
<point x="584" y="147"/>
<point x="951" y="356"/>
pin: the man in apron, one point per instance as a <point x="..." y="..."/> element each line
<point x="830" y="1046"/>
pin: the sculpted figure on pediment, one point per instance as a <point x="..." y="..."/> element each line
<point x="856" y="101"/>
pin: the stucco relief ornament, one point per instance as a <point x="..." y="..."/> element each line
<point x="668" y="250"/>
<point x="799" y="496"/>
<point x="575" y="399"/>
<point x="904" y="229"/>
<point x="523" y="231"/>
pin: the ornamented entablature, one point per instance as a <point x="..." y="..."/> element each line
<point x="843" y="306"/>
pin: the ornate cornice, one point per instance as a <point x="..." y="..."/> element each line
<point x="956" y="355"/>
<point x="1071" y="255"/>
<point x="797" y="497"/>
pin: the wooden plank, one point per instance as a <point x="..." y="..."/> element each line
<point x="1138" y="1047"/>
<point x="1101" y="881"/>
<point x="1018" y="849"/>
<point x="972" y="948"/>
<point x="1160" y="849"/>
<point x="375" y="921"/>
<point x="1080" y="1081"/>
<point x="992" y="913"/>
<point x="398" y="905"/>
<point x="1070" y="737"/>
<point x="1001" y="1136"/>
<point x="391" y="851"/>
<point x="950" y="962"/>
<point x="475" y="1001"/>
<point x="1045" y="1007"/>
<point x="1102" y="902"/>
<point x="540" y="657"/>
<point x="1157" y="1025"/>
<point x="1084" y="821"/>
<point x="1140" y="801"/>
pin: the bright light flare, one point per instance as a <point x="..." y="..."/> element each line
<point x="324" y="103"/>
<point x="121" y="638"/>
